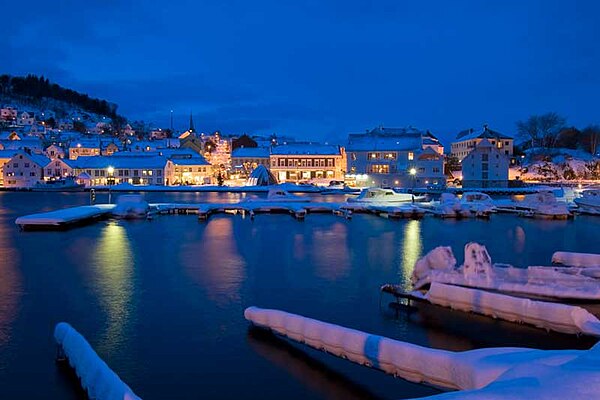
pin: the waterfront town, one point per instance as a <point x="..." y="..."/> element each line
<point x="36" y="148"/>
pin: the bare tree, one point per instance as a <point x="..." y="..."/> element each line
<point x="591" y="138"/>
<point x="541" y="130"/>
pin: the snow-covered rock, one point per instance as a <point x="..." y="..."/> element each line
<point x="440" y="258"/>
<point x="576" y="259"/>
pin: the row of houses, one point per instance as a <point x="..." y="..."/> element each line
<point x="25" y="169"/>
<point x="382" y="156"/>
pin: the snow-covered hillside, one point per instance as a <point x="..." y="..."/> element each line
<point x="557" y="164"/>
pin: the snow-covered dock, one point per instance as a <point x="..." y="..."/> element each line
<point x="491" y="373"/>
<point x="97" y="379"/>
<point x="556" y="317"/>
<point x="582" y="260"/>
<point x="65" y="217"/>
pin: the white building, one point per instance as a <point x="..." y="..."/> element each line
<point x="24" y="170"/>
<point x="188" y="170"/>
<point x="58" y="168"/>
<point x="8" y="113"/>
<point x="54" y="151"/>
<point x="27" y="118"/>
<point x="137" y="169"/>
<point x="467" y="140"/>
<point x="399" y="157"/>
<point x="485" y="166"/>
<point x="84" y="148"/>
<point x="304" y="161"/>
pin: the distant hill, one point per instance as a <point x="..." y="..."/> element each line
<point x="39" y="93"/>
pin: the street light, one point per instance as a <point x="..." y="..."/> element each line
<point x="110" y="180"/>
<point x="413" y="173"/>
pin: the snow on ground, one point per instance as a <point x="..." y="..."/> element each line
<point x="555" y="164"/>
<point x="97" y="379"/>
<point x="489" y="373"/>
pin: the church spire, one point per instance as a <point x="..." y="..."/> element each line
<point x="192" y="130"/>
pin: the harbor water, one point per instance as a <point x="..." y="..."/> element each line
<point x="162" y="301"/>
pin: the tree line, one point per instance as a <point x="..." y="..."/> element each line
<point x="550" y="130"/>
<point x="37" y="87"/>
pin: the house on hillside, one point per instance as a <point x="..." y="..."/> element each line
<point x="8" y="113"/>
<point x="485" y="166"/>
<point x="84" y="148"/>
<point x="54" y="151"/>
<point x="26" y="118"/>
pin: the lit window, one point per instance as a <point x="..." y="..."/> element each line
<point x="411" y="156"/>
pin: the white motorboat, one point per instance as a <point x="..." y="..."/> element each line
<point x="589" y="202"/>
<point x="338" y="187"/>
<point x="542" y="204"/>
<point x="131" y="206"/>
<point x="478" y="203"/>
<point x="66" y="184"/>
<point x="384" y="196"/>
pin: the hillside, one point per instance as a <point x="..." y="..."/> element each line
<point x="558" y="164"/>
<point x="39" y="94"/>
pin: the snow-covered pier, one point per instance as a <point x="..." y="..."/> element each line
<point x="492" y="373"/>
<point x="97" y="379"/>
<point x="66" y="217"/>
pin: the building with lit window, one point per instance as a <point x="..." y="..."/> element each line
<point x="297" y="162"/>
<point x="84" y="148"/>
<point x="485" y="166"/>
<point x="245" y="159"/>
<point x="468" y="139"/>
<point x="398" y="157"/>
<point x="24" y="170"/>
<point x="136" y="170"/>
<point x="186" y="169"/>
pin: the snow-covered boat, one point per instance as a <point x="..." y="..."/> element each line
<point x="589" y="202"/>
<point x="131" y="206"/>
<point x="472" y="204"/>
<point x="281" y="195"/>
<point x="66" y="184"/>
<point x="338" y="187"/>
<point x="542" y="204"/>
<point x="384" y="196"/>
<point x="556" y="283"/>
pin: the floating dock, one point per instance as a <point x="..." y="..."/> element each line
<point x="66" y="217"/>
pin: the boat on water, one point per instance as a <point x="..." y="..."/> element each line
<point x="384" y="196"/>
<point x="338" y="187"/>
<point x="67" y="184"/>
<point x="131" y="206"/>
<point x="542" y="204"/>
<point x="555" y="283"/>
<point x="589" y="202"/>
<point x="471" y="204"/>
<point x="279" y="195"/>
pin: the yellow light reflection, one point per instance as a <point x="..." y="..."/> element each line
<point x="113" y="264"/>
<point x="222" y="269"/>
<point x="412" y="248"/>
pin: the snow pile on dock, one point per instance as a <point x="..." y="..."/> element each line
<point x="576" y="259"/>
<point x="490" y="373"/>
<point x="478" y="272"/>
<point x="553" y="316"/>
<point x="65" y="216"/>
<point x="97" y="379"/>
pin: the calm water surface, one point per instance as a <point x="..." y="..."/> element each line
<point x="162" y="302"/>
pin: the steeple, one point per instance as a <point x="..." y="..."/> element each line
<point x="192" y="130"/>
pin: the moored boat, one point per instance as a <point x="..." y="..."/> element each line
<point x="67" y="184"/>
<point x="384" y="196"/>
<point x="589" y="202"/>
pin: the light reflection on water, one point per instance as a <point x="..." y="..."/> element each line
<point x="113" y="265"/>
<point x="412" y="248"/>
<point x="163" y="301"/>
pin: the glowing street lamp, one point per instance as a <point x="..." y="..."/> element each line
<point x="412" y="171"/>
<point x="110" y="170"/>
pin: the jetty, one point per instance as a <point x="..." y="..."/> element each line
<point x="502" y="372"/>
<point x="66" y="217"/>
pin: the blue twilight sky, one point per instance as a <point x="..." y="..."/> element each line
<point x="317" y="69"/>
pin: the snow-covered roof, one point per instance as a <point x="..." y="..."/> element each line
<point x="251" y="152"/>
<point x="485" y="132"/>
<point x="121" y="162"/>
<point x="391" y="139"/>
<point x="198" y="160"/>
<point x="7" y="153"/>
<point x="305" y="149"/>
<point x="39" y="159"/>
